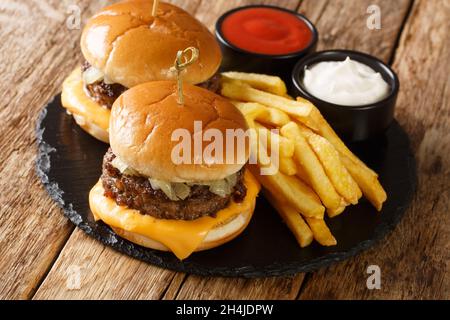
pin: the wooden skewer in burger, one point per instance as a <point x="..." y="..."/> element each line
<point x="148" y="198"/>
<point x="129" y="43"/>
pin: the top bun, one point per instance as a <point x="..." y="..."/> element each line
<point x="131" y="46"/>
<point x="144" y="118"/>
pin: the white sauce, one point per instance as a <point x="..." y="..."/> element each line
<point x="347" y="83"/>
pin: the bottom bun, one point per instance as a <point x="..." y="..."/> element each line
<point x="215" y="237"/>
<point x="88" y="114"/>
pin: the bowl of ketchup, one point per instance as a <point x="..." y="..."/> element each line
<point x="264" y="39"/>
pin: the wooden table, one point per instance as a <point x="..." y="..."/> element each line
<point x="41" y="252"/>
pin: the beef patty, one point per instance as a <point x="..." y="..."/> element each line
<point x="137" y="193"/>
<point x="105" y="94"/>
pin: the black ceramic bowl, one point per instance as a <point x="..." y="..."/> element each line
<point x="237" y="59"/>
<point x="352" y="123"/>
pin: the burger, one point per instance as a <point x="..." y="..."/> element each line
<point x="123" y="46"/>
<point x="148" y="198"/>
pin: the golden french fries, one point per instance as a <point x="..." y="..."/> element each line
<point x="298" y="195"/>
<point x="368" y="183"/>
<point x="263" y="114"/>
<point x="286" y="146"/>
<point x="336" y="171"/>
<point x="321" y="232"/>
<point x="274" y="118"/>
<point x="239" y="91"/>
<point x="293" y="220"/>
<point x="301" y="174"/>
<point x="288" y="166"/>
<point x="251" y="110"/>
<point x="325" y="130"/>
<point x="335" y="212"/>
<point x="311" y="169"/>
<point x="263" y="82"/>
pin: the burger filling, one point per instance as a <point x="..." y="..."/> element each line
<point x="166" y="200"/>
<point x="99" y="88"/>
<point x="105" y="92"/>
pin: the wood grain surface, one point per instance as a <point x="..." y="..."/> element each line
<point x="41" y="254"/>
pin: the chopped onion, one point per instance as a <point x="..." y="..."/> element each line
<point x="92" y="75"/>
<point x="232" y="179"/>
<point x="165" y="187"/>
<point x="182" y="190"/>
<point x="220" y="187"/>
<point x="123" y="167"/>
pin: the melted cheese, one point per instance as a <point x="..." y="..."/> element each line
<point x="75" y="100"/>
<point x="181" y="237"/>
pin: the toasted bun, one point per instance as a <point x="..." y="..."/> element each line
<point x="132" y="47"/>
<point x="144" y="118"/>
<point x="215" y="238"/>
<point x="88" y="114"/>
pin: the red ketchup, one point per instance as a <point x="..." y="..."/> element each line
<point x="266" y="31"/>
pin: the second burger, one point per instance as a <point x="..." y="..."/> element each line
<point x="125" y="45"/>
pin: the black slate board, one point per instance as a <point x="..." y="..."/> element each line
<point x="69" y="164"/>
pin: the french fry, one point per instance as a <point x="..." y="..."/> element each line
<point x="288" y="166"/>
<point x="301" y="174"/>
<point x="284" y="152"/>
<point x="251" y="110"/>
<point x="335" y="170"/>
<point x="321" y="232"/>
<point x="335" y="212"/>
<point x="237" y="91"/>
<point x="293" y="220"/>
<point x="368" y="183"/>
<point x="263" y="114"/>
<point x="274" y="117"/>
<point x="272" y="84"/>
<point x="286" y="146"/>
<point x="297" y="194"/>
<point x="313" y="168"/>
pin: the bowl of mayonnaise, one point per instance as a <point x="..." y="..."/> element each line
<point x="354" y="91"/>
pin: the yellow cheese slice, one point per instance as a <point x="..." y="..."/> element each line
<point x="75" y="99"/>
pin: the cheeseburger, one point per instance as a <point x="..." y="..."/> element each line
<point x="149" y="199"/>
<point x="125" y="45"/>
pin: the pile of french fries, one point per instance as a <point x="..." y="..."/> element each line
<point x="317" y="172"/>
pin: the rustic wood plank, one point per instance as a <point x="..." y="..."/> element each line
<point x="414" y="259"/>
<point x="238" y="288"/>
<point x="343" y="24"/>
<point x="103" y="274"/>
<point x="37" y="53"/>
<point x="175" y="286"/>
